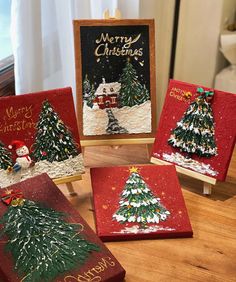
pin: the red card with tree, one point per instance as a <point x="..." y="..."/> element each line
<point x="197" y="129"/>
<point x="43" y="238"/>
<point x="38" y="133"/>
<point x="139" y="202"/>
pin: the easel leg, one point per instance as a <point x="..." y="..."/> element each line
<point x="71" y="189"/>
<point x="207" y="188"/>
<point x="149" y="150"/>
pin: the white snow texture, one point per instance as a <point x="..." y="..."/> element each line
<point x="136" y="229"/>
<point x="189" y="163"/>
<point x="136" y="119"/>
<point x="71" y="166"/>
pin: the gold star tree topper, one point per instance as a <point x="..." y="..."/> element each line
<point x="133" y="169"/>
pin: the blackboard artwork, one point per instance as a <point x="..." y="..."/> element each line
<point x="116" y="88"/>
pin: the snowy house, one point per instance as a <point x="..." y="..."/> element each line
<point x="106" y="94"/>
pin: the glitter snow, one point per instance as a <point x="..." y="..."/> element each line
<point x="180" y="160"/>
<point x="136" y="119"/>
<point x="137" y="229"/>
<point x="71" y="166"/>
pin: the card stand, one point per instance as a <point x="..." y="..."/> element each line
<point x="207" y="180"/>
<point x="68" y="181"/>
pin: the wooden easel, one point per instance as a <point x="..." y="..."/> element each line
<point x="207" y="180"/>
<point x="117" y="143"/>
<point x="68" y="181"/>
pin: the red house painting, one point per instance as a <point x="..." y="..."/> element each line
<point x="106" y="94"/>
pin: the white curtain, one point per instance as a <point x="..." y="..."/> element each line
<point x="42" y="39"/>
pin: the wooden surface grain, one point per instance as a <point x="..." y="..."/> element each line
<point x="209" y="256"/>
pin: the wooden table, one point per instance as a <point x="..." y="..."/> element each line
<point x="209" y="256"/>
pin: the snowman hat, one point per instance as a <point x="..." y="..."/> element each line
<point x="16" y="144"/>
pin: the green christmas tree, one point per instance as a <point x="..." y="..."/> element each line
<point x="41" y="243"/>
<point x="86" y="87"/>
<point x="88" y="91"/>
<point x="53" y="142"/>
<point x="91" y="97"/>
<point x="138" y="203"/>
<point x="195" y="132"/>
<point x="5" y="157"/>
<point x="132" y="92"/>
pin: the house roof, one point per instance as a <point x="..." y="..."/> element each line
<point x="108" y="88"/>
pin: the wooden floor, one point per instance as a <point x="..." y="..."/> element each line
<point x="209" y="256"/>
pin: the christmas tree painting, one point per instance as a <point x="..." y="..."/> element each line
<point x="138" y="203"/>
<point x="132" y="92"/>
<point x="43" y="245"/>
<point x="54" y="141"/>
<point x="5" y="157"/>
<point x="195" y="132"/>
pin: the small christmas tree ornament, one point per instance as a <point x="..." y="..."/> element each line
<point x="54" y="141"/>
<point x="6" y="161"/>
<point x="23" y="159"/>
<point x="41" y="243"/>
<point x="138" y="203"/>
<point x="195" y="132"/>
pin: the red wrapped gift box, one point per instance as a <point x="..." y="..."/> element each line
<point x="139" y="202"/>
<point x="99" y="266"/>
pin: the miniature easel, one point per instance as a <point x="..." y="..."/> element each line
<point x="68" y="181"/>
<point x="207" y="180"/>
<point x="117" y="143"/>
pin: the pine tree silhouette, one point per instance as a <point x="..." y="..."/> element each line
<point x="132" y="92"/>
<point x="41" y="243"/>
<point x="5" y="157"/>
<point x="195" y="132"/>
<point x="53" y="141"/>
<point x="138" y="203"/>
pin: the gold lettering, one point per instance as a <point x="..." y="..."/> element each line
<point x="26" y="111"/>
<point x="90" y="275"/>
<point x="103" y="49"/>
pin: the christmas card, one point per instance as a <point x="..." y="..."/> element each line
<point x="139" y="202"/>
<point x="38" y="133"/>
<point x="115" y="73"/>
<point x="197" y="129"/>
<point x="43" y="238"/>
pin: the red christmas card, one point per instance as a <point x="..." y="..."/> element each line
<point x="43" y="238"/>
<point x="38" y="133"/>
<point x="139" y="202"/>
<point x="197" y="129"/>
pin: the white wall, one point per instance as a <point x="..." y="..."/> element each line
<point x="163" y="13"/>
<point x="198" y="58"/>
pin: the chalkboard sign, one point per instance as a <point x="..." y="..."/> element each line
<point x="115" y="75"/>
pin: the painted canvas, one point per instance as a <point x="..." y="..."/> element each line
<point x="197" y="129"/>
<point x="139" y="202"/>
<point x="115" y="71"/>
<point x="38" y="133"/>
<point x="44" y="238"/>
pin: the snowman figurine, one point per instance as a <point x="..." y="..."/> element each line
<point x="23" y="159"/>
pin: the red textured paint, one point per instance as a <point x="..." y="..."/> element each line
<point x="60" y="99"/>
<point x="108" y="183"/>
<point x="42" y="189"/>
<point x="224" y="112"/>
